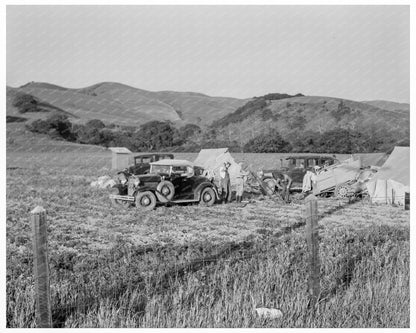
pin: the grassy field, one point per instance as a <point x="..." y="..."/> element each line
<point x="192" y="266"/>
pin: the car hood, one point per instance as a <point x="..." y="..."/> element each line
<point x="150" y="178"/>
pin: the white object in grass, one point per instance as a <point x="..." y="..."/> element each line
<point x="269" y="313"/>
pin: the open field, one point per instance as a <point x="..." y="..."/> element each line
<point x="192" y="266"/>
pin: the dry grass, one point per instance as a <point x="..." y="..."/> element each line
<point x="191" y="266"/>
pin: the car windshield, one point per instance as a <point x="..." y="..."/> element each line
<point x="160" y="169"/>
<point x="179" y="170"/>
<point x="142" y="159"/>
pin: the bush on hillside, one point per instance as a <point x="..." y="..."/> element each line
<point x="60" y="123"/>
<point x="13" y="119"/>
<point x="341" y="111"/>
<point x="233" y="146"/>
<point x="266" y="114"/>
<point x="155" y="135"/>
<point x="241" y="113"/>
<point x="39" y="126"/>
<point x="95" y="123"/>
<point x="268" y="143"/>
<point x="26" y="103"/>
<point x="189" y="130"/>
<point x="296" y="122"/>
<point x="277" y="96"/>
<point x="256" y="104"/>
<point x="304" y="141"/>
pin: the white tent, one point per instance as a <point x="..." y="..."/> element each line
<point x="213" y="159"/>
<point x="371" y="159"/>
<point x="393" y="179"/>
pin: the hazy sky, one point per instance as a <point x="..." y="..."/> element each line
<point x="353" y="52"/>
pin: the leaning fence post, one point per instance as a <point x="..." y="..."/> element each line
<point x="311" y="218"/>
<point x="41" y="268"/>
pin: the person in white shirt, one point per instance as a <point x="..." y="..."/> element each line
<point x="309" y="181"/>
<point x="240" y="180"/>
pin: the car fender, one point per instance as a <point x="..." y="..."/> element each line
<point x="122" y="189"/>
<point x="201" y="187"/>
<point x="143" y="189"/>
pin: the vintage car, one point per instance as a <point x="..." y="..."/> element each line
<point x="141" y="163"/>
<point x="343" y="180"/>
<point x="296" y="167"/>
<point x="168" y="181"/>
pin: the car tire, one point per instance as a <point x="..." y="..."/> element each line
<point x="165" y="191"/>
<point x="116" y="202"/>
<point x="207" y="197"/>
<point x="145" y="200"/>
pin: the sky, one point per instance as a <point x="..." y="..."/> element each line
<point x="352" y="52"/>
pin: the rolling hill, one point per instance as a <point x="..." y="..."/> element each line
<point x="124" y="105"/>
<point x="390" y="106"/>
<point x="311" y="113"/>
<point x="230" y="119"/>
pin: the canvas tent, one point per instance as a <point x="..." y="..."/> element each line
<point x="213" y="159"/>
<point x="393" y="179"/>
<point x="371" y="159"/>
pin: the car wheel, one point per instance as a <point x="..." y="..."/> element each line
<point x="145" y="200"/>
<point x="270" y="185"/>
<point x="207" y="197"/>
<point x="165" y="191"/>
<point x="117" y="202"/>
<point x="342" y="191"/>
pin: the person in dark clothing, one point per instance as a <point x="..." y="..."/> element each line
<point x="284" y="182"/>
<point x="225" y="183"/>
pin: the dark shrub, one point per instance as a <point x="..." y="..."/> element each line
<point x="95" y="123"/>
<point x="268" y="143"/>
<point x="26" y="103"/>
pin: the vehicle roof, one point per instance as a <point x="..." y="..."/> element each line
<point x="310" y="156"/>
<point x="151" y="154"/>
<point x="173" y="162"/>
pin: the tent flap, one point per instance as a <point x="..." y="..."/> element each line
<point x="393" y="179"/>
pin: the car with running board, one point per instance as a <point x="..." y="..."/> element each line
<point x="169" y="181"/>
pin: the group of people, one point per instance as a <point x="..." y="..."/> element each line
<point x="224" y="187"/>
<point x="283" y="182"/>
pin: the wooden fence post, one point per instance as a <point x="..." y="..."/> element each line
<point x="41" y="268"/>
<point x="406" y="200"/>
<point x="311" y="218"/>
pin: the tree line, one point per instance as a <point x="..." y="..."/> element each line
<point x="164" y="136"/>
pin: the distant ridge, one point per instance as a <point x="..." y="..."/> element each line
<point x="291" y="116"/>
<point x="388" y="105"/>
<point x="228" y="118"/>
<point x="122" y="104"/>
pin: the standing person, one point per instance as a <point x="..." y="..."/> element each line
<point x="225" y="183"/>
<point x="240" y="181"/>
<point x="309" y="181"/>
<point x="284" y="182"/>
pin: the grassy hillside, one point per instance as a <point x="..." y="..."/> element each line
<point x="20" y="140"/>
<point x="387" y="105"/>
<point x="311" y="113"/>
<point x="121" y="104"/>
